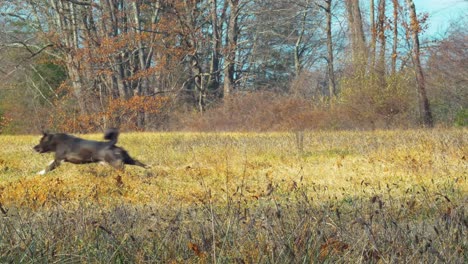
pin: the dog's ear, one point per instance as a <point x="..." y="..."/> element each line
<point x="44" y="133"/>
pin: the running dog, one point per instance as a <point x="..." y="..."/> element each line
<point x="76" y="150"/>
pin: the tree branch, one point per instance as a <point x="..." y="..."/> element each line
<point x="79" y="2"/>
<point x="33" y="53"/>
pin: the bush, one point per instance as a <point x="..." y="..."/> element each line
<point x="362" y="104"/>
<point x="375" y="103"/>
<point x="461" y="119"/>
<point x="256" y="111"/>
<point x="4" y="121"/>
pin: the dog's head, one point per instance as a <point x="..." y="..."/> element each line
<point x="47" y="143"/>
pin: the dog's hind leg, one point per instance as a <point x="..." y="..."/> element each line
<point x="130" y="161"/>
<point x="136" y="163"/>
<point x="52" y="165"/>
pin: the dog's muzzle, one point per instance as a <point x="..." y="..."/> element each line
<point x="39" y="149"/>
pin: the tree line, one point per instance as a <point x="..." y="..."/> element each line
<point x="88" y="64"/>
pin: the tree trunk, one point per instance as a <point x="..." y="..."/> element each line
<point x="381" y="35"/>
<point x="297" y="46"/>
<point x="330" y="67"/>
<point x="66" y="26"/>
<point x="230" y="57"/>
<point x="395" y="36"/>
<point x="424" y="107"/>
<point x="373" y="43"/>
<point x="358" y="41"/>
<point x="200" y="86"/>
<point x="213" y="80"/>
<point x="143" y="83"/>
<point x="381" y="67"/>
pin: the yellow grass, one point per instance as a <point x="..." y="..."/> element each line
<point x="332" y="165"/>
<point x="340" y="181"/>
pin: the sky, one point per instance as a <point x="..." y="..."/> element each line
<point x="441" y="13"/>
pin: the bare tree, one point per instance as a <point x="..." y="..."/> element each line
<point x="424" y="107"/>
<point x="230" y="56"/>
<point x="373" y="42"/>
<point x="330" y="59"/>
<point x="446" y="75"/>
<point x="395" y="36"/>
<point x="216" y="39"/>
<point x="358" y="40"/>
<point x="298" y="45"/>
<point x="382" y="39"/>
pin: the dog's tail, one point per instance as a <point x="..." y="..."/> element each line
<point x="112" y="134"/>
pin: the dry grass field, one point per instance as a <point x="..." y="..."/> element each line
<point x="313" y="197"/>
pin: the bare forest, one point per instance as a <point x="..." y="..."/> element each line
<point x="271" y="131"/>
<point x="228" y="65"/>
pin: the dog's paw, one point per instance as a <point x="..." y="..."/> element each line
<point x="42" y="172"/>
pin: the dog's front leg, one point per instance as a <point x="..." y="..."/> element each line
<point x="117" y="164"/>
<point x="52" y="165"/>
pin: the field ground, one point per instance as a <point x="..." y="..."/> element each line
<point x="354" y="197"/>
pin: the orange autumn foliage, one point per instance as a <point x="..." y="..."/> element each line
<point x="117" y="112"/>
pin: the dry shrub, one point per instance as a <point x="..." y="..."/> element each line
<point x="365" y="102"/>
<point x="309" y="85"/>
<point x="371" y="102"/>
<point x="4" y="121"/>
<point x="128" y="114"/>
<point x="446" y="76"/>
<point x="258" y="111"/>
